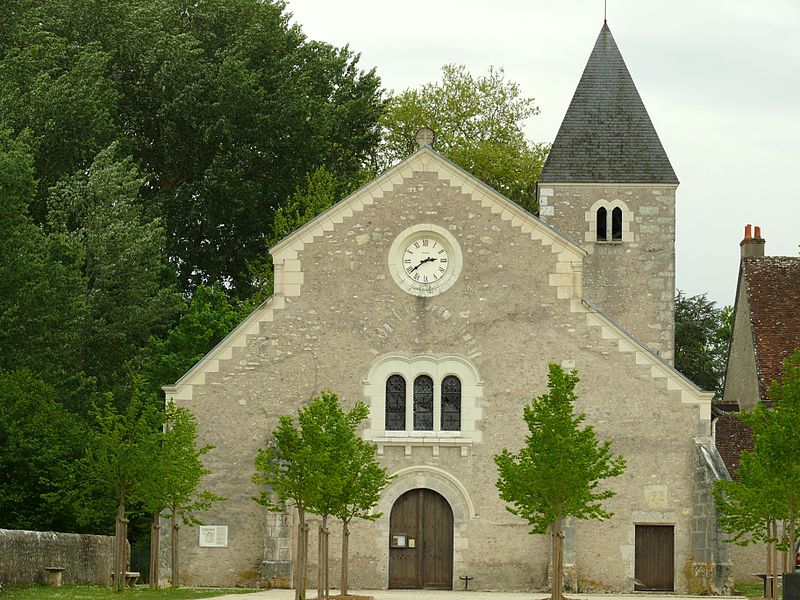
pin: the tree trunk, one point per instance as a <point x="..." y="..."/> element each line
<point x="302" y="557"/>
<point x="326" y="588"/>
<point x="345" y="550"/>
<point x="176" y="572"/>
<point x="768" y="583"/>
<point x="155" y="527"/>
<point x="120" y="550"/>
<point x="320" y="560"/>
<point x="556" y="560"/>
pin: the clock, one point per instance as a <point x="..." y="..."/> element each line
<point x="425" y="260"/>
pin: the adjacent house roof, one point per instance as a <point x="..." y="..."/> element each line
<point x="773" y="294"/>
<point x="732" y="436"/>
<point x="607" y="135"/>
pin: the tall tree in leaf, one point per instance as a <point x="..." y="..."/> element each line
<point x="557" y="473"/>
<point x="207" y="317"/>
<point x="702" y="338"/>
<point x="42" y="304"/>
<point x="362" y="484"/>
<point x="130" y="293"/>
<point x="478" y="124"/>
<point x="39" y="442"/>
<point x="118" y="459"/>
<point x="172" y="484"/>
<point x="329" y="432"/>
<point x="283" y="467"/>
<point x="768" y="490"/>
<point x="224" y="103"/>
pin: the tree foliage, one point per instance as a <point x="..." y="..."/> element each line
<point x="768" y="489"/>
<point x="558" y="472"/>
<point x="172" y="485"/>
<point x="478" y="124"/>
<point x="702" y="338"/>
<point x="40" y="442"/>
<point x="224" y="104"/>
<point x="311" y="466"/>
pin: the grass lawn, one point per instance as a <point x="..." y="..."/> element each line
<point x="751" y="590"/>
<point x="85" y="592"/>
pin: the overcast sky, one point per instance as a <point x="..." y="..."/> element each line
<point x="720" y="79"/>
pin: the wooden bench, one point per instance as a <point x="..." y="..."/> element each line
<point x="131" y="577"/>
<point x="765" y="577"/>
<point x="54" y="575"/>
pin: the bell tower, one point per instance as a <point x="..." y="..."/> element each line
<point x="608" y="184"/>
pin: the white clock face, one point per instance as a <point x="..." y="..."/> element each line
<point x="425" y="260"/>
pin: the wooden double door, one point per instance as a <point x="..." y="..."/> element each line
<point x="654" y="566"/>
<point x="421" y="541"/>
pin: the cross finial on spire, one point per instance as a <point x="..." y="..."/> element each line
<point x="605" y="10"/>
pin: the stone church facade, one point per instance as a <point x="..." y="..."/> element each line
<point x="439" y="303"/>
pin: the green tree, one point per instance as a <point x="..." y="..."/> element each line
<point x="206" y="318"/>
<point x="117" y="460"/>
<point x="768" y="490"/>
<point x="557" y="473"/>
<point x="42" y="306"/>
<point x="478" y="124"/>
<point x="362" y="483"/>
<point x="175" y="472"/>
<point x="702" y="338"/>
<point x="129" y="292"/>
<point x="282" y="466"/>
<point x="329" y="432"/>
<point x="40" y="440"/>
<point x="225" y="103"/>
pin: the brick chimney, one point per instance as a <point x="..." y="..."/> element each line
<point x="752" y="246"/>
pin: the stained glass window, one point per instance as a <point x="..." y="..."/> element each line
<point x="451" y="403"/>
<point x="423" y="403"/>
<point x="395" y="403"/>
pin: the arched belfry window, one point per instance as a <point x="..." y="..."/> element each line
<point x="616" y="224"/>
<point x="451" y="403"/>
<point x="395" y="403"/>
<point x="602" y="225"/>
<point x="423" y="403"/>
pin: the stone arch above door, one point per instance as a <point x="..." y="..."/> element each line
<point x="432" y="478"/>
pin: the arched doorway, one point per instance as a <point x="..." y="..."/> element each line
<point x="421" y="541"/>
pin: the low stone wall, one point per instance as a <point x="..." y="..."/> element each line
<point x="87" y="559"/>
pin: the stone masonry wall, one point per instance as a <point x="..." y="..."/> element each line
<point x="87" y="559"/>
<point x="632" y="281"/>
<point x="506" y="318"/>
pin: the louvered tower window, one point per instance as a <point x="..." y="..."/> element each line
<point x="616" y="224"/>
<point x="602" y="229"/>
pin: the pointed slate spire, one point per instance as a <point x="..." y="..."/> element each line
<point x="607" y="135"/>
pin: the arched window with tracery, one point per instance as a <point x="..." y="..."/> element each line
<point x="451" y="403"/>
<point x="395" y="403"/>
<point x="602" y="225"/>
<point x="616" y="224"/>
<point x="423" y="403"/>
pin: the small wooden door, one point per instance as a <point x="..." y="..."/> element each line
<point x="654" y="568"/>
<point x="421" y="541"/>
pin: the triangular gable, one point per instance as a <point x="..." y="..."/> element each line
<point x="428" y="160"/>
<point x="567" y="277"/>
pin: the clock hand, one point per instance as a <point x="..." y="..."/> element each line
<point x="422" y="262"/>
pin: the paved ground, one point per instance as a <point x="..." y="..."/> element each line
<point x="462" y="595"/>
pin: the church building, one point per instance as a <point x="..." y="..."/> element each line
<point x="440" y="303"/>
